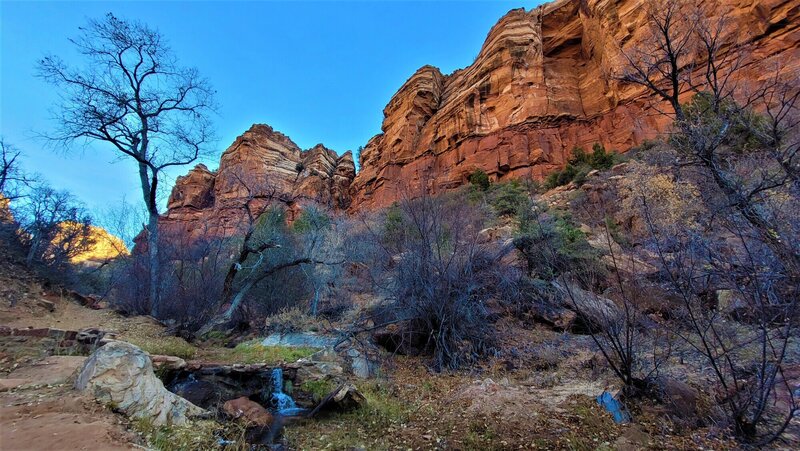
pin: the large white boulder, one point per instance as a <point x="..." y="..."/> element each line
<point x="121" y="375"/>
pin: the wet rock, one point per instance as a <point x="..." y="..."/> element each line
<point x="252" y="413"/>
<point x="201" y="393"/>
<point x="121" y="374"/>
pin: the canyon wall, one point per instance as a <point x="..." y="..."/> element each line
<point x="261" y="167"/>
<point x="545" y="81"/>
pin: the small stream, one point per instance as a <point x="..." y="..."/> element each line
<point x="210" y="387"/>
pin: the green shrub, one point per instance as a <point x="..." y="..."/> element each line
<point x="393" y="225"/>
<point x="551" y="245"/>
<point x="480" y="180"/>
<point x="201" y="434"/>
<point x="508" y="198"/>
<point x="311" y="220"/>
<point x="580" y="164"/>
<point x="173" y="346"/>
<point x="318" y="389"/>
<point x="601" y="159"/>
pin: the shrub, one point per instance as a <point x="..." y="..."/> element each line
<point x="255" y="352"/>
<point x="289" y="320"/>
<point x="173" y="346"/>
<point x="318" y="389"/>
<point x="580" y="164"/>
<point x="311" y="220"/>
<point x="551" y="245"/>
<point x="479" y="180"/>
<point x="508" y="198"/>
<point x="441" y="279"/>
<point x="393" y="226"/>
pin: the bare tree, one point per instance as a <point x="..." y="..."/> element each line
<point x="133" y="95"/>
<point x="440" y="279"/>
<point x="742" y="145"/>
<point x="56" y="226"/>
<point x="12" y="178"/>
<point x="267" y="249"/>
<point x="683" y="43"/>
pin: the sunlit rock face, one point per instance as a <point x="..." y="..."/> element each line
<point x="544" y="82"/>
<point x="262" y="167"/>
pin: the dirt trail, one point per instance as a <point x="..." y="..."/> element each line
<point x="39" y="410"/>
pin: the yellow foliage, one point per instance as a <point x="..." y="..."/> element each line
<point x="672" y="205"/>
<point x="103" y="245"/>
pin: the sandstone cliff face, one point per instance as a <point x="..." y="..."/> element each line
<point x="543" y="83"/>
<point x="260" y="168"/>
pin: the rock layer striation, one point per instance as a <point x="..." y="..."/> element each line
<point x="545" y="81"/>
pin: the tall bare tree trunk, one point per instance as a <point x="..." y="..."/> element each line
<point x="149" y="184"/>
<point x="153" y="260"/>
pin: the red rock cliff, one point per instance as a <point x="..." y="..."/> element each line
<point x="260" y="168"/>
<point x="542" y="84"/>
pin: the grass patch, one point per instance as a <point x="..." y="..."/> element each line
<point x="318" y="389"/>
<point x="481" y="436"/>
<point x="366" y="427"/>
<point x="253" y="352"/>
<point x="203" y="434"/>
<point x="174" y="346"/>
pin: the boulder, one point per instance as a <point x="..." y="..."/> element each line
<point x="250" y="412"/>
<point x="594" y="311"/>
<point x="307" y="370"/>
<point x="120" y="374"/>
<point x="347" y="397"/>
<point x="681" y="401"/>
<point x="168" y="362"/>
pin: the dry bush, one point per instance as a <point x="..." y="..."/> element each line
<point x="674" y="204"/>
<point x="440" y="279"/>
<point x="293" y="319"/>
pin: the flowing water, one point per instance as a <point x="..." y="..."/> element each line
<point x="282" y="403"/>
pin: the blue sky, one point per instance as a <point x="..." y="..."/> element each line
<point x="316" y="71"/>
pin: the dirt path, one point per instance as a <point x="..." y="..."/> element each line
<point x="40" y="411"/>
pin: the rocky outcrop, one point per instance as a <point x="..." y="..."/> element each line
<point x="262" y="167"/>
<point x="543" y="82"/>
<point x="121" y="375"/>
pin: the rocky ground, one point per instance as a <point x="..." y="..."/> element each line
<point x="537" y="393"/>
